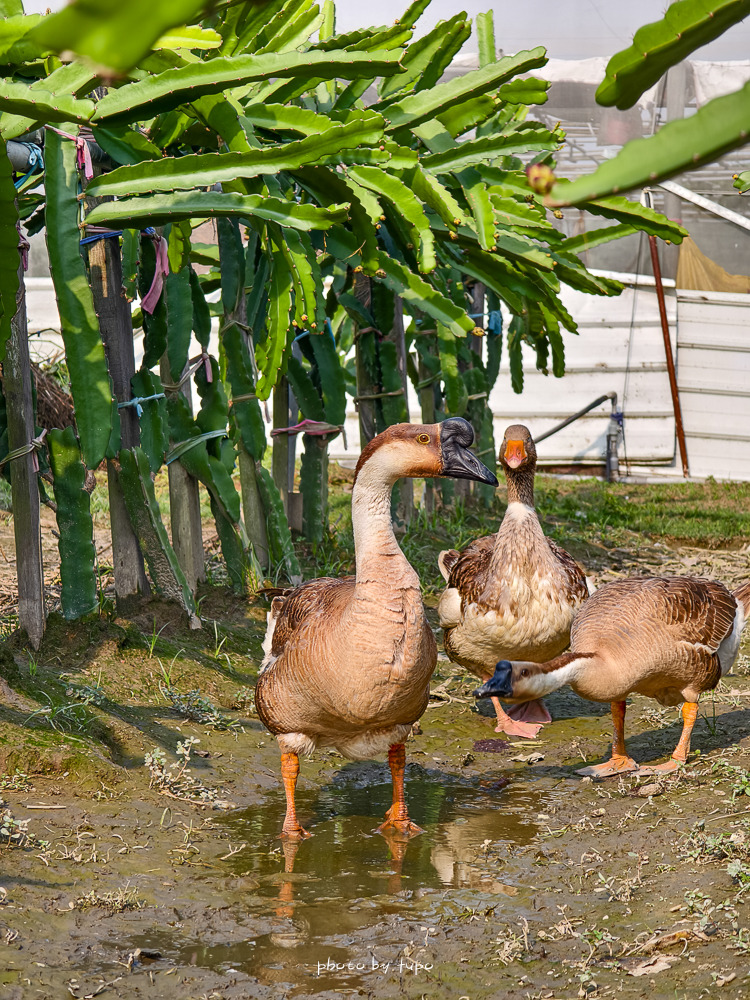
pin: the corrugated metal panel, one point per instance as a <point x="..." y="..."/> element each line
<point x="713" y="375"/>
<point x="619" y="348"/>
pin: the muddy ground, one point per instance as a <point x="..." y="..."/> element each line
<point x="120" y="880"/>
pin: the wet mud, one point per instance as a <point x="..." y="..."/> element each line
<point x="529" y="881"/>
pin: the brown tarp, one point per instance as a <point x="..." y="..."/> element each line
<point x="697" y="271"/>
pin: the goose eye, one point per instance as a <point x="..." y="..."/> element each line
<point x="423" y="438"/>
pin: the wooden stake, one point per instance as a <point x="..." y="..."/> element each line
<point x="185" y="505"/>
<point x="252" y="508"/>
<point x="23" y="475"/>
<point x="116" y="326"/>
<point x="280" y="448"/>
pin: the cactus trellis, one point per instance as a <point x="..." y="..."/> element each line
<point x="262" y="126"/>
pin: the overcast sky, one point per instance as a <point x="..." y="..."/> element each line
<point x="569" y="29"/>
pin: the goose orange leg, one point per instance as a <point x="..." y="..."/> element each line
<point x="397" y="817"/>
<point x="678" y="758"/>
<point x="619" y="763"/>
<point x="291" y="829"/>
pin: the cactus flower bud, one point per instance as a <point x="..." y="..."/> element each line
<point x="540" y="178"/>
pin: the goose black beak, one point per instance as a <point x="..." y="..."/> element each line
<point x="500" y="685"/>
<point x="456" y="436"/>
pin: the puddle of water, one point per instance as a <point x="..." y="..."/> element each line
<point x="349" y="884"/>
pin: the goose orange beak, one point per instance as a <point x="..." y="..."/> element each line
<point x="515" y="454"/>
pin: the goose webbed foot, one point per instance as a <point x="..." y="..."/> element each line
<point x="668" y="767"/>
<point x="525" y="723"/>
<point x="618" y="764"/>
<point x="398" y="823"/>
<point x="293" y="833"/>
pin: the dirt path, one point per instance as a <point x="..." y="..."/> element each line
<point x="529" y="881"/>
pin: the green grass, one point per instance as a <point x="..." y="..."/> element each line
<point x="576" y="513"/>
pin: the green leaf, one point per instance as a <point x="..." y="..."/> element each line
<point x="277" y="526"/>
<point x="126" y="145"/>
<point x="529" y="90"/>
<point x="477" y="195"/>
<point x="15" y="44"/>
<point x="179" y="302"/>
<point x="269" y="355"/>
<point x="232" y="263"/>
<point x="426" y="59"/>
<point x="305" y="392"/>
<point x="160" y="209"/>
<point x="168" y="90"/>
<point x="486" y="38"/>
<point x="42" y="105"/>
<point x="327" y="186"/>
<point x="331" y="375"/>
<point x="554" y="336"/>
<point x="9" y="282"/>
<point x="515" y="357"/>
<point x="417" y="108"/>
<point x="190" y="36"/>
<point x="75" y="525"/>
<point x="413" y="289"/>
<point x="145" y="516"/>
<point x="716" y="128"/>
<point x="686" y="26"/>
<point x="455" y="391"/>
<point x="298" y="251"/>
<point x="633" y="213"/>
<point x="742" y="181"/>
<point x="246" y="413"/>
<point x="436" y="196"/>
<point x="595" y="238"/>
<point x="203" y="170"/>
<point x="84" y="351"/>
<point x="153" y="420"/>
<point x="406" y="204"/>
<point x="111" y="34"/>
<point x="488" y="148"/>
<point x="11" y="8"/>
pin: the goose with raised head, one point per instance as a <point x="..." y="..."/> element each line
<point x="512" y="595"/>
<point x="669" y="638"/>
<point x="348" y="661"/>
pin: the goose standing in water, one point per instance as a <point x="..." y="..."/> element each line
<point x="348" y="661"/>
<point x="513" y="595"/>
<point x="669" y="638"/>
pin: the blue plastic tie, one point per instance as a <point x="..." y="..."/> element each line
<point x="137" y="400"/>
<point x="100" y="236"/>
<point x="36" y="162"/>
<point x="495" y="323"/>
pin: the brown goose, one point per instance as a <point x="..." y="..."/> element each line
<point x="348" y="661"/>
<point x="670" y="638"/>
<point x="511" y="596"/>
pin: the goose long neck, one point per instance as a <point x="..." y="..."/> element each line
<point x="379" y="558"/>
<point x="520" y="485"/>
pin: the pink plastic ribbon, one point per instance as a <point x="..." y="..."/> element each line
<point x="153" y="295"/>
<point x="83" y="153"/>
<point x="317" y="428"/>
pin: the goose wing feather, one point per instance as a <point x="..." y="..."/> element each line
<point x="468" y="573"/>
<point x="316" y="597"/>
<point x="575" y="579"/>
<point x="686" y="609"/>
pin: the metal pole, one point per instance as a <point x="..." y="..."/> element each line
<point x="670" y="359"/>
